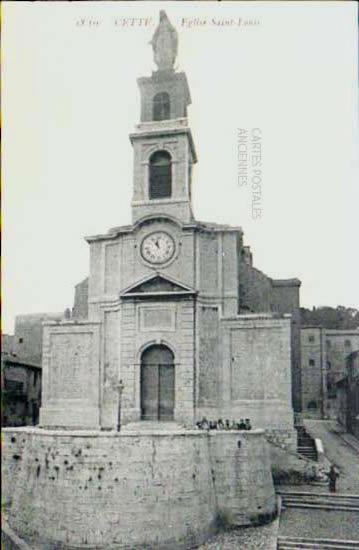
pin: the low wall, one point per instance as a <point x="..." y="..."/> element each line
<point x="243" y="482"/>
<point x="146" y="490"/>
<point x="290" y="468"/>
<point x="287" y="439"/>
<point x="14" y="440"/>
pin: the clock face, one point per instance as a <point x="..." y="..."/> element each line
<point x="158" y="247"/>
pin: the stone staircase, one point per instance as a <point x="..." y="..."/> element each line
<point x="305" y="444"/>
<point x="315" y="501"/>
<point x="287" y="543"/>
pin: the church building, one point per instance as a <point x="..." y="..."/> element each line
<point x="173" y="306"/>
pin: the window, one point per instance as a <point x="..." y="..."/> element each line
<point x="14" y="386"/>
<point x="311" y="338"/>
<point x="329" y="365"/>
<point x="311" y="362"/>
<point x="312" y="405"/>
<point x="21" y="340"/>
<point x="331" y="389"/>
<point x="160" y="175"/>
<point x="161" y="106"/>
<point x="347" y="343"/>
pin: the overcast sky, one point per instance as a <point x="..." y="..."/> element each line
<point x="70" y="99"/>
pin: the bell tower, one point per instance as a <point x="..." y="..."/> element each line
<point x="164" y="151"/>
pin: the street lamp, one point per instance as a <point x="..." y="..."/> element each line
<point x="119" y="386"/>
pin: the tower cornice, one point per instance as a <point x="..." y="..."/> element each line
<point x="158" y="129"/>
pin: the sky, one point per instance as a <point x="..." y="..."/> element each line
<point x="282" y="74"/>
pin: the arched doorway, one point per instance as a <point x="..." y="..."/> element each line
<point x="157" y="383"/>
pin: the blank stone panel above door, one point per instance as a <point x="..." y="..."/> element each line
<point x="156" y="317"/>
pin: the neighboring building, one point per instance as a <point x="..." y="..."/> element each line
<point x="339" y="345"/>
<point x="7" y="344"/>
<point x="28" y="335"/>
<point x="80" y="309"/>
<point x="348" y="395"/>
<point x="324" y="356"/>
<point x="21" y="369"/>
<point x="172" y="305"/>
<point x="21" y="391"/>
<point x="313" y="358"/>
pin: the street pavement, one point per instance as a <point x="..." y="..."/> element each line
<point x="330" y="524"/>
<point x="338" y="452"/>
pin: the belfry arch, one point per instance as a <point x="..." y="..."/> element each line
<point x="157" y="383"/>
<point x="160" y="175"/>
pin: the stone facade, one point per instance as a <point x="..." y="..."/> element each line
<point x="176" y="286"/>
<point x="324" y="355"/>
<point x="152" y="490"/>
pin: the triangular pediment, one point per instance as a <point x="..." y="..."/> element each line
<point x="157" y="285"/>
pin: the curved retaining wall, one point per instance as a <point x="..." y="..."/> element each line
<point x="145" y="490"/>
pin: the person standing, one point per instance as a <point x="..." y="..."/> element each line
<point x="332" y="475"/>
<point x="248" y="425"/>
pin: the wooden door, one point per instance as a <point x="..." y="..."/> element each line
<point x="157" y="384"/>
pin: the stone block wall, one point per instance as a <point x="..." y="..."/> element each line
<point x="12" y="454"/>
<point x="239" y="463"/>
<point x="285" y="439"/>
<point x="252" y="372"/>
<point x="256" y="370"/>
<point x="71" y="375"/>
<point x="209" y="383"/>
<point x="152" y="490"/>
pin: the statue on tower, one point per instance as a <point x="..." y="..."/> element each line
<point x="164" y="44"/>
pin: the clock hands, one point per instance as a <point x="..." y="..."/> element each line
<point x="158" y="248"/>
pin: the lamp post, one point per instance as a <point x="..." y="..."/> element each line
<point x="119" y="386"/>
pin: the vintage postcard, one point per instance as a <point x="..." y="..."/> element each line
<point x="180" y="274"/>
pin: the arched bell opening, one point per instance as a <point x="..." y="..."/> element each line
<point x="160" y="175"/>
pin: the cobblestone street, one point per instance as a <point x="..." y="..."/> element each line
<point x="247" y="538"/>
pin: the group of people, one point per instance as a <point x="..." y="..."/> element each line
<point x="219" y="424"/>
